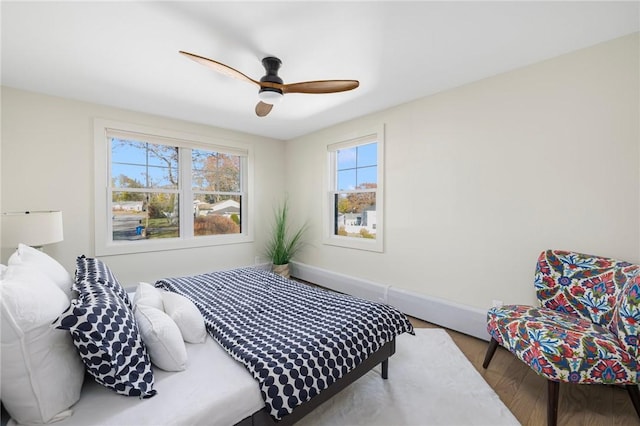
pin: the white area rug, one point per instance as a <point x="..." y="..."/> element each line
<point x="430" y="382"/>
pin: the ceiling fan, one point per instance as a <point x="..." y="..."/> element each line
<point x="272" y="88"/>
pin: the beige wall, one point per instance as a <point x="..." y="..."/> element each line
<point x="479" y="179"/>
<point x="482" y="178"/>
<point x="47" y="163"/>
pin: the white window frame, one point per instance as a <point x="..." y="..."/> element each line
<point x="362" y="137"/>
<point x="104" y="244"/>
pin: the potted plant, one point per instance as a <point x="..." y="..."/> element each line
<point x="283" y="244"/>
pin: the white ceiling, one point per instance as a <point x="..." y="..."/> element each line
<point x="125" y="54"/>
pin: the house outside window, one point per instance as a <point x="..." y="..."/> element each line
<point x="355" y="198"/>
<point x="159" y="190"/>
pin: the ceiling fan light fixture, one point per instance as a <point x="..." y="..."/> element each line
<point x="270" y="96"/>
<point x="271" y="86"/>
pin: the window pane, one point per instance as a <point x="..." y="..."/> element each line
<point x="140" y="164"/>
<point x="357" y="167"/>
<point x="214" y="171"/>
<point x="127" y="151"/>
<point x="142" y="176"/>
<point x="132" y="151"/>
<point x="139" y="216"/>
<point x="367" y="177"/>
<point x="127" y="176"/>
<point x="216" y="214"/>
<point x="346" y="158"/>
<point x="368" y="155"/>
<point x="355" y="215"/>
<point x="346" y="180"/>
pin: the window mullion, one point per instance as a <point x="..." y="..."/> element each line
<point x="109" y="203"/>
<point x="333" y="183"/>
<point x="145" y="190"/>
<point x="186" y="193"/>
<point x="356" y="191"/>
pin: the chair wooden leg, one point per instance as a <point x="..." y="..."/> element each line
<point x="634" y="394"/>
<point x="553" y="395"/>
<point x="493" y="345"/>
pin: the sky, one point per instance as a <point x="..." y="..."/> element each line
<point x="356" y="166"/>
<point x="130" y="159"/>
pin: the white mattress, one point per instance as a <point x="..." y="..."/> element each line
<point x="213" y="390"/>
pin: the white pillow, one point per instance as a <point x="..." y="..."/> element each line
<point x="41" y="370"/>
<point x="186" y="315"/>
<point x="162" y="338"/>
<point x="146" y="294"/>
<point x="34" y="258"/>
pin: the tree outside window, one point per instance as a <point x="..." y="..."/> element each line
<point x="146" y="191"/>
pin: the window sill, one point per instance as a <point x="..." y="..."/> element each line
<point x="366" y="244"/>
<point x="143" y="246"/>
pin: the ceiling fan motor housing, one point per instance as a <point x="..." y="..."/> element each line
<point x="271" y="65"/>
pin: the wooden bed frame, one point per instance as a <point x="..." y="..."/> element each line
<point x="262" y="417"/>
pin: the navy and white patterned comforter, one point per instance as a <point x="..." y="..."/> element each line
<point x="296" y="340"/>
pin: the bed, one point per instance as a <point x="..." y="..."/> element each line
<point x="330" y="340"/>
<point x="323" y="342"/>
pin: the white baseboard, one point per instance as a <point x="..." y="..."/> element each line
<point x="455" y="316"/>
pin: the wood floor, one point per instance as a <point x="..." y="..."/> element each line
<point x="525" y="393"/>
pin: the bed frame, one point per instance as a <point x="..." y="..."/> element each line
<point x="262" y="417"/>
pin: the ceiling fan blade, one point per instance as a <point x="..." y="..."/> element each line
<point x="321" y="86"/>
<point x="220" y="67"/>
<point x="263" y="109"/>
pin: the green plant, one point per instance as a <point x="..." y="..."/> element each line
<point x="283" y="244"/>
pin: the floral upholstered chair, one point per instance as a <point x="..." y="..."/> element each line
<point x="586" y="329"/>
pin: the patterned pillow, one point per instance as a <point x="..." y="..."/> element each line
<point x="107" y="338"/>
<point x="91" y="272"/>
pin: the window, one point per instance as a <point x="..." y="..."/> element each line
<point x="160" y="190"/>
<point x="355" y="197"/>
<point x="217" y="196"/>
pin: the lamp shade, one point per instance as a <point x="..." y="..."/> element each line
<point x="34" y="228"/>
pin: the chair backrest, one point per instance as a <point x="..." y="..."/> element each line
<point x="585" y="285"/>
<point x="626" y="315"/>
